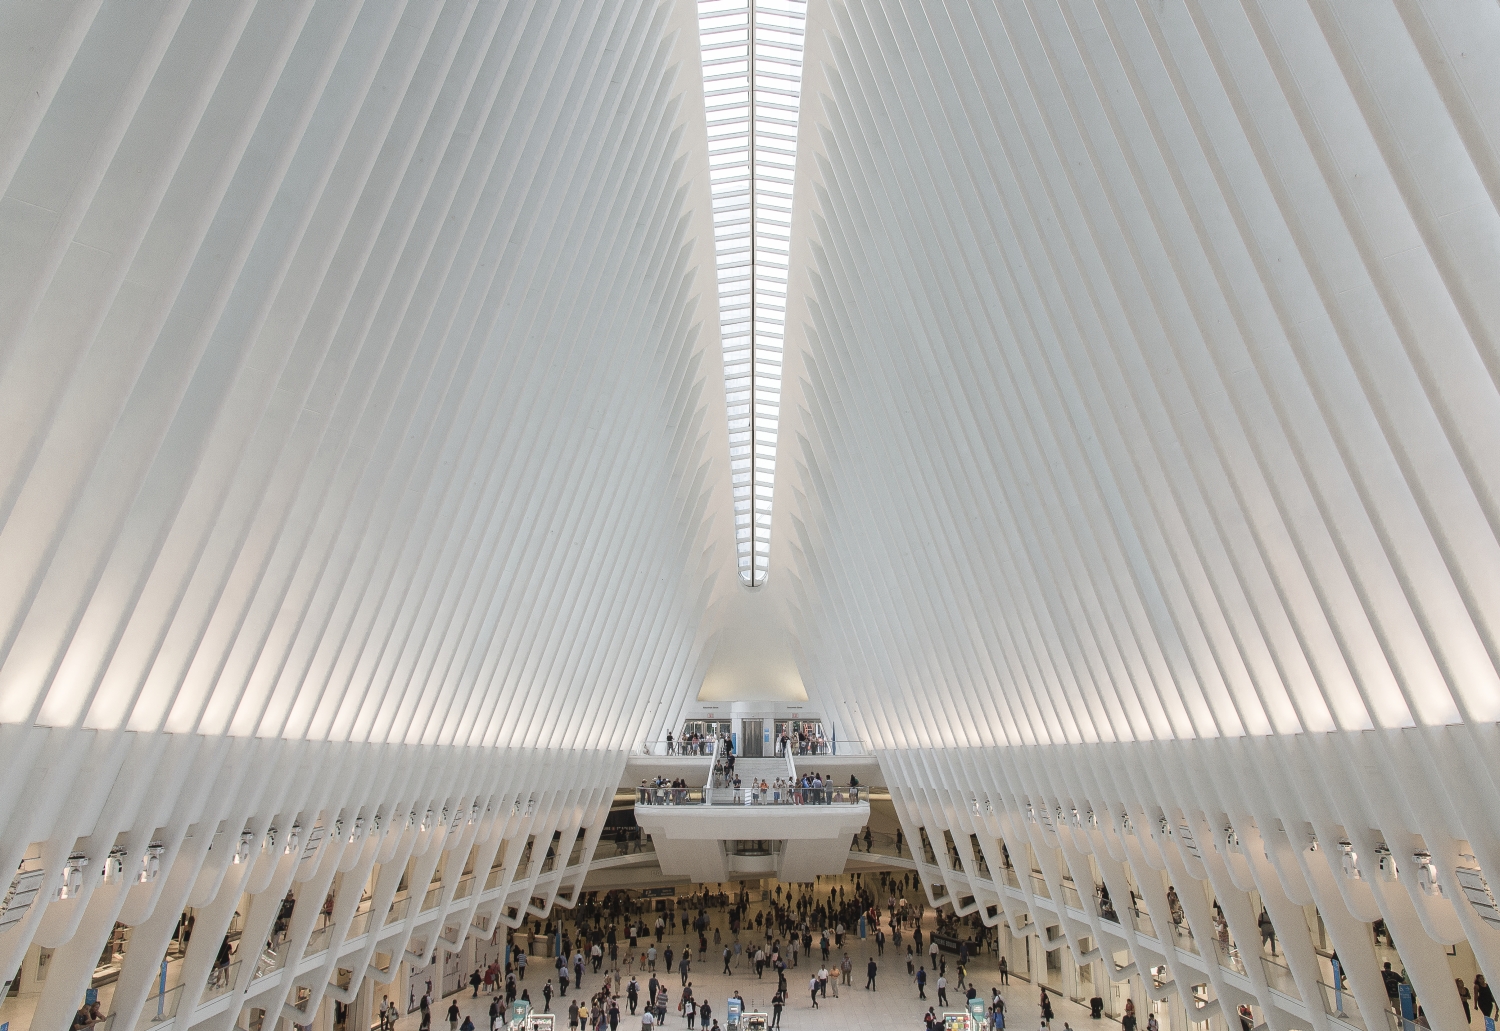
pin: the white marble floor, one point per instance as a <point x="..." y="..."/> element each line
<point x="893" y="1006"/>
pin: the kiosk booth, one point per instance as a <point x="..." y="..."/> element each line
<point x="754" y="1022"/>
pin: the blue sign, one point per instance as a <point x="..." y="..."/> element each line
<point x="1408" y="1004"/>
<point x="732" y="1012"/>
<point x="90" y="996"/>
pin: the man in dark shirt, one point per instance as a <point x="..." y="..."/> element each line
<point x="1392" y="982"/>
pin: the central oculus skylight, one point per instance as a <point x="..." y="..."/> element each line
<point x="752" y="82"/>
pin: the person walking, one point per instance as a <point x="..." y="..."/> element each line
<point x="921" y="982"/>
<point x="547" y="996"/>
<point x="777" y="1002"/>
<point x="870" y="970"/>
<point x="633" y="994"/>
<point x="847" y="969"/>
<point x="453" y="1015"/>
<point x="812" y="987"/>
<point x="1004" y="971"/>
<point x="942" y="987"/>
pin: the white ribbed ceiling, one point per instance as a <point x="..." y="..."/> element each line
<point x="383" y="435"/>
<point x="362" y="380"/>
<point x="1147" y="386"/>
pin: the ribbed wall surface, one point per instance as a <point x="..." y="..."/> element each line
<point x="1141" y="455"/>
<point x="366" y="460"/>
<point x="364" y="454"/>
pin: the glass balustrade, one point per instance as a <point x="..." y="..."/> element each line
<point x="319" y="940"/>
<point x="221" y="981"/>
<point x="271" y="959"/>
<point x="360" y="924"/>
<point x="398" y="911"/>
<point x="1279" y="976"/>
<point x="159" y="1008"/>
<point x="1341" y="1005"/>
<point x="745" y="795"/>
<point x="1144" y="925"/>
<point x="1229" y="956"/>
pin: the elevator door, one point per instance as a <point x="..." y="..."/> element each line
<point x="751" y="734"/>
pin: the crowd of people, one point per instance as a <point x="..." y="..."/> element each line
<point x="618" y="957"/>
<point x="809" y="789"/>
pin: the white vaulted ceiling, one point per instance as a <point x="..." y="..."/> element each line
<point x="356" y="372"/>
<point x="1134" y="419"/>
<point x="1149" y="380"/>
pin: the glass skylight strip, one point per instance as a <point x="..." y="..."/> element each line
<point x="752" y="82"/>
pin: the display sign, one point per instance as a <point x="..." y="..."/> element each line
<point x="732" y="1012"/>
<point x="957" y="1022"/>
<point x="519" y="1011"/>
<point x="976" y="1011"/>
<point x="946" y="942"/>
<point x="658" y="893"/>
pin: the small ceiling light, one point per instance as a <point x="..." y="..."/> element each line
<point x="1349" y="862"/>
<point x="1385" y="862"/>
<point x="242" y="850"/>
<point x="1427" y="873"/>
<point x="114" y="865"/>
<point x="358" y="830"/>
<point x="293" y="838"/>
<point x="72" y="877"/>
<point x="151" y="863"/>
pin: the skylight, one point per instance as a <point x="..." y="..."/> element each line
<point x="752" y="84"/>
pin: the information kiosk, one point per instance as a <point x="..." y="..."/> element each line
<point x="958" y="1022"/>
<point x="754" y="1022"/>
<point x="732" y="1013"/>
<point x="541" y="1022"/>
